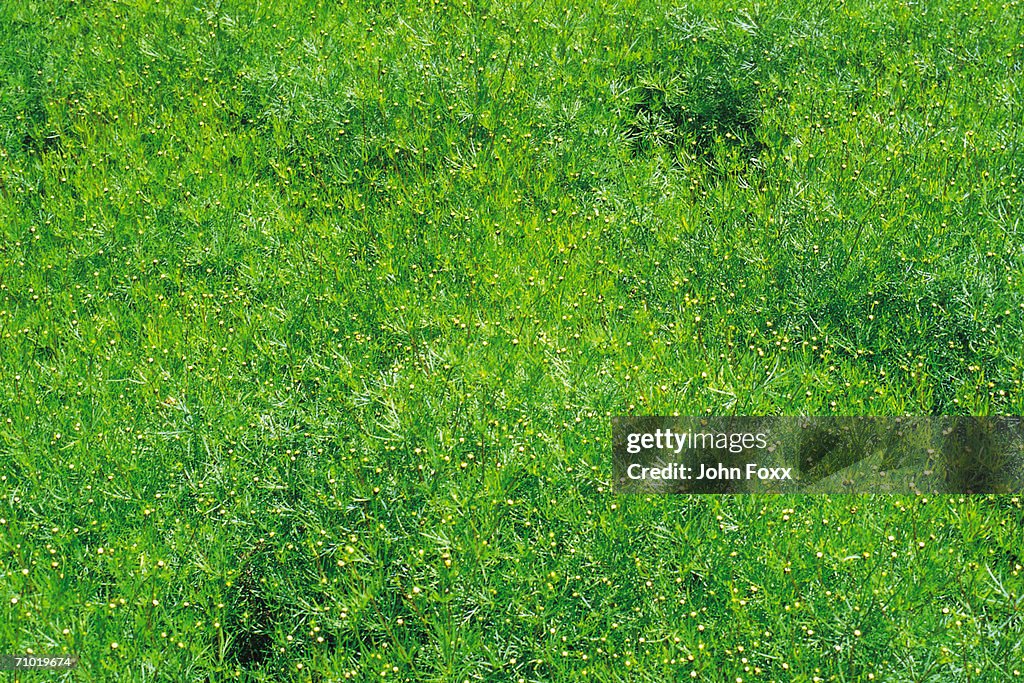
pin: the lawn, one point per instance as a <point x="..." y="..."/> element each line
<point x="314" y="316"/>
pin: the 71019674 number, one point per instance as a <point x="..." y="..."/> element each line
<point x="13" y="662"/>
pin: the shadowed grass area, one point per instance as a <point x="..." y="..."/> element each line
<point x="313" y="317"/>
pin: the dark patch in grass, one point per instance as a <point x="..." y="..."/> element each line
<point x="696" y="114"/>
<point x="698" y="96"/>
<point x="44" y="352"/>
<point x="41" y="144"/>
<point x="701" y="91"/>
<point x="251" y="618"/>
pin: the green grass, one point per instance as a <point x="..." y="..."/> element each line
<point x="313" y="316"/>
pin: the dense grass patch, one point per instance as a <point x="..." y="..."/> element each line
<point x="312" y="317"/>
